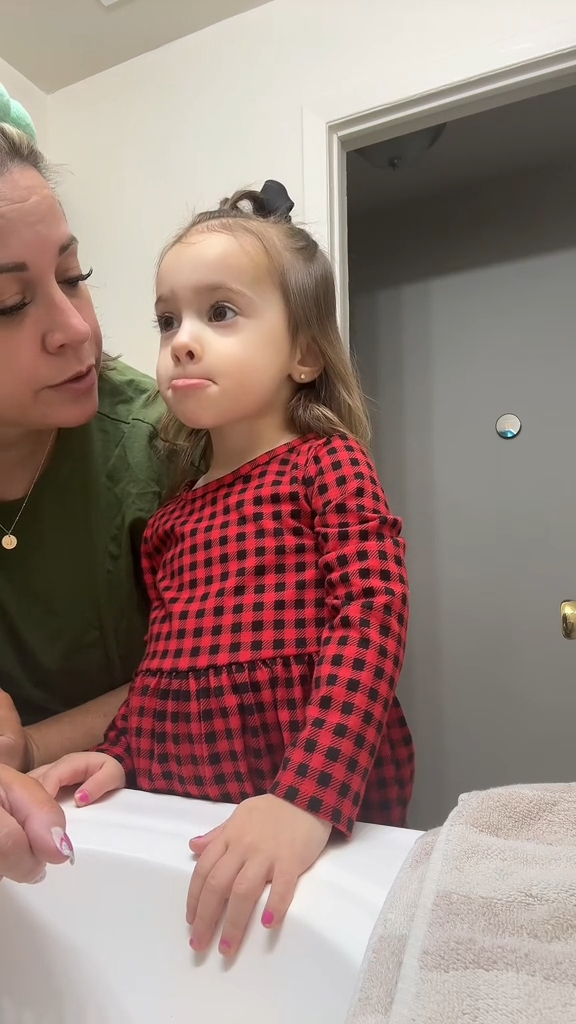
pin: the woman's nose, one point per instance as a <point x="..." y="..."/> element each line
<point x="67" y="326"/>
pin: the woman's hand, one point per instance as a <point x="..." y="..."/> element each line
<point x="15" y="747"/>
<point x="98" y="773"/>
<point x="32" y="829"/>
<point x="265" y="840"/>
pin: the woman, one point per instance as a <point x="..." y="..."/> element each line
<point x="32" y="829"/>
<point x="79" y="479"/>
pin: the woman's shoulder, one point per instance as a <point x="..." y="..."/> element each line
<point x="128" y="395"/>
<point x="125" y="430"/>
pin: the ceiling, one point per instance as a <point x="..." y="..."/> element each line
<point x="55" y="43"/>
<point x="518" y="136"/>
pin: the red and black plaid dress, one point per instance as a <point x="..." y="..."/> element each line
<point x="278" y="622"/>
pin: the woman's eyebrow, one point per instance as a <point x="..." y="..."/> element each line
<point x="21" y="268"/>
<point x="67" y="245"/>
<point x="13" y="268"/>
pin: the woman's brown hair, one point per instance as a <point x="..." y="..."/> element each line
<point x="333" y="402"/>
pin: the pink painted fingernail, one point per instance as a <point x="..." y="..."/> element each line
<point x="82" y="797"/>
<point x="193" y="943"/>
<point x="225" y="945"/>
<point x="40" y="878"/>
<point x="196" y="838"/>
<point x="267" y="918"/>
<point x="63" y="843"/>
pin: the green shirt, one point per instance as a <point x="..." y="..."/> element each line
<point x="73" y="610"/>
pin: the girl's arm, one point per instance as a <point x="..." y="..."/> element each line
<point x="116" y="742"/>
<point x="362" y="557"/>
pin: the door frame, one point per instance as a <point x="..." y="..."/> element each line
<point x="326" y="142"/>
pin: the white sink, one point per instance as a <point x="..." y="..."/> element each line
<point x="106" y="941"/>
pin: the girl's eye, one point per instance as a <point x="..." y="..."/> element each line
<point x="166" y="323"/>
<point x="78" y="279"/>
<point x="221" y="312"/>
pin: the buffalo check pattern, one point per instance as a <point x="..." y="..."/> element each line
<point x="278" y="624"/>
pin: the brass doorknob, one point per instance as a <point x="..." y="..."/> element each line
<point x="568" y="613"/>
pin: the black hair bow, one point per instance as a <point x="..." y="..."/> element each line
<point x="275" y="200"/>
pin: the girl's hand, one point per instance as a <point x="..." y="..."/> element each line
<point x="265" y="840"/>
<point x="98" y="773"/>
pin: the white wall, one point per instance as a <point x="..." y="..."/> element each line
<point x="185" y="124"/>
<point x="35" y="101"/>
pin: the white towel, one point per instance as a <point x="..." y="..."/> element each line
<point x="480" y="925"/>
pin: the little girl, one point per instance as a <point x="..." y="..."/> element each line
<point x="277" y="580"/>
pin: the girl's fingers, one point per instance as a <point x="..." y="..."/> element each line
<point x="202" y="872"/>
<point x="199" y="843"/>
<point x="97" y="773"/>
<point x="281" y="895"/>
<point x="106" y="779"/>
<point x="68" y="771"/>
<point x="244" y="895"/>
<point x="210" y="905"/>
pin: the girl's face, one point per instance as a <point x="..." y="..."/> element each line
<point x="226" y="356"/>
<point x="50" y="341"/>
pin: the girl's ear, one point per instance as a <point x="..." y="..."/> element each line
<point x="307" y="365"/>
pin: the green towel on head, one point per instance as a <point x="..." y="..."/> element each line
<point x="12" y="112"/>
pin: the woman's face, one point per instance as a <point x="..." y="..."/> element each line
<point x="50" y="340"/>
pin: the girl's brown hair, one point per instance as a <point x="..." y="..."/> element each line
<point x="333" y="402"/>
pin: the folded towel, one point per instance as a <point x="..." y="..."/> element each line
<point x="480" y="925"/>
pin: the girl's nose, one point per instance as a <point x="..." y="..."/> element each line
<point x="185" y="348"/>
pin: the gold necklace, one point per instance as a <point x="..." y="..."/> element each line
<point x="9" y="541"/>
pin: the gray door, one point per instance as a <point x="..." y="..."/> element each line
<point x="464" y="308"/>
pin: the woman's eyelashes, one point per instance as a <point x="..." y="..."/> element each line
<point x="218" y="313"/>
<point x="16" y="307"/>
<point x="72" y="282"/>
<point x="75" y="279"/>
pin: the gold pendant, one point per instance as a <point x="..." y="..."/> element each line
<point x="9" y="542"/>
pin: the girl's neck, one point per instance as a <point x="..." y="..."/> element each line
<point x="234" y="446"/>
<point x="21" y="454"/>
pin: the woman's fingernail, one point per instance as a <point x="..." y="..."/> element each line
<point x="63" y="843"/>
<point x="40" y="878"/>
<point x="82" y="797"/>
<point x="196" y="838"/>
<point x="267" y="918"/>
<point x="225" y="946"/>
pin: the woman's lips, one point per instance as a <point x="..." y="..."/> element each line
<point x="78" y="383"/>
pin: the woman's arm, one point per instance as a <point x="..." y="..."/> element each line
<point x="79" y="729"/>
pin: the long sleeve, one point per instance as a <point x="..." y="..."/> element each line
<point x="361" y="555"/>
<point x="116" y="742"/>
